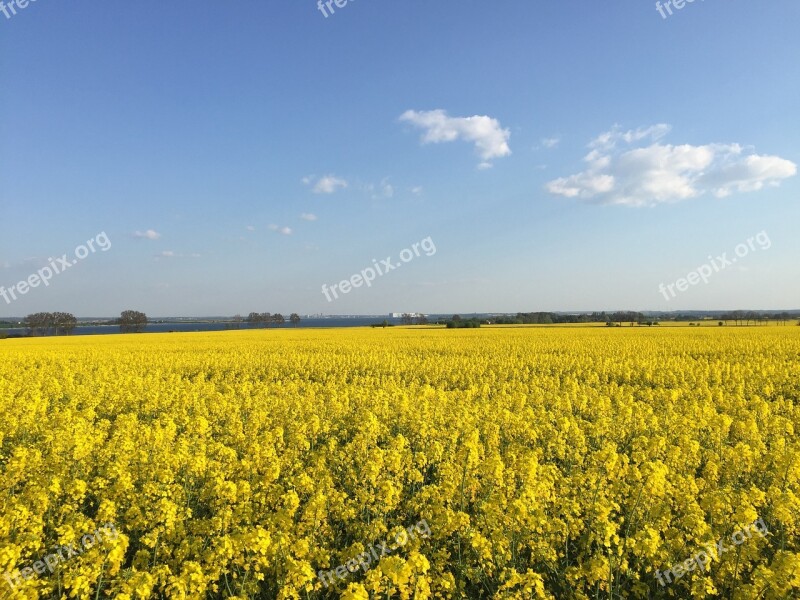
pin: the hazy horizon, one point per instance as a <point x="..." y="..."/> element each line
<point x="792" y="311"/>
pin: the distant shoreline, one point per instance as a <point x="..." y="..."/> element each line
<point x="328" y="323"/>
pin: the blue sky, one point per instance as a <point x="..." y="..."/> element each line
<point x="559" y="155"/>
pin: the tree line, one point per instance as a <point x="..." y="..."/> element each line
<point x="63" y="323"/>
<point x="409" y="319"/>
<point x="739" y="317"/>
<point x="458" y="323"/>
<point x="266" y="319"/>
<point x="50" y="323"/>
<point x="132" y="321"/>
<point x="549" y="318"/>
<point x="745" y="317"/>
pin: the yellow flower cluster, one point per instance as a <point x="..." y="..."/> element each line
<point x="548" y="462"/>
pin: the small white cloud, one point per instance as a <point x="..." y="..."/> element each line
<point x="328" y="184"/>
<point x="417" y="190"/>
<point x="171" y="254"/>
<point x="490" y="139"/>
<point x="382" y="190"/>
<point x="386" y="189"/>
<point x="609" y="139"/>
<point x="661" y="173"/>
<point x="33" y="261"/>
<point x="250" y="228"/>
<point x="147" y="235"/>
<point x="484" y="165"/>
<point x="550" y="142"/>
<point x="279" y="229"/>
<point x="581" y="185"/>
<point x="308" y="217"/>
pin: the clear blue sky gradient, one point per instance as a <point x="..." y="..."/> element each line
<point x="200" y="120"/>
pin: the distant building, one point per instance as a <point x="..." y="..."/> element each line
<point x="400" y="315"/>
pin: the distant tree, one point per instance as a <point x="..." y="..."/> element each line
<point x="407" y="319"/>
<point x="64" y="323"/>
<point x="132" y="321"/>
<point x="422" y="320"/>
<point x="456" y="318"/>
<point x="277" y="319"/>
<point x="38" y="323"/>
<point x="294" y="318"/>
<point x="237" y="321"/>
<point x="385" y="324"/>
<point x="263" y="319"/>
<point x="472" y="323"/>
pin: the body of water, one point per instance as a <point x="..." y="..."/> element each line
<point x="166" y="327"/>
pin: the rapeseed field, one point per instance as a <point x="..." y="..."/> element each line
<point x="544" y="463"/>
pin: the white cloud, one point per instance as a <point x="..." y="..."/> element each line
<point x="490" y="139"/>
<point x="147" y="235"/>
<point x="279" y="229"/>
<point x="417" y="190"/>
<point x="30" y="262"/>
<point x="550" y="142"/>
<point x="383" y="190"/>
<point x="661" y="173"/>
<point x="609" y="139"/>
<point x="171" y="254"/>
<point x="325" y="185"/>
<point x="250" y="228"/>
<point x="308" y="217"/>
